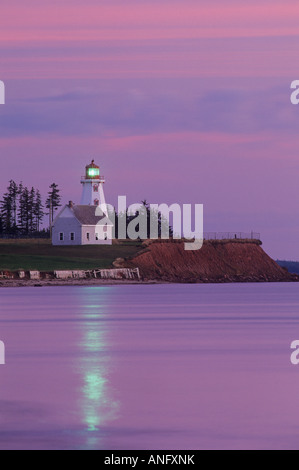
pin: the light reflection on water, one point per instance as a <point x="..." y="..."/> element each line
<point x="96" y="397"/>
<point x="149" y="367"/>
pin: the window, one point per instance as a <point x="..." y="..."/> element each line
<point x="88" y="236"/>
<point x="61" y="236"/>
<point x="93" y="172"/>
<point x="72" y="236"/>
<point x="97" y="236"/>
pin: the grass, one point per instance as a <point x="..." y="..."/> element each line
<point x="40" y="255"/>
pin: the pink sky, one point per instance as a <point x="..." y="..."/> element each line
<point x="178" y="101"/>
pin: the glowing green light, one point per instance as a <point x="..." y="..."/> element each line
<point x="93" y="172"/>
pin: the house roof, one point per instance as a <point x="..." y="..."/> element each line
<point x="86" y="215"/>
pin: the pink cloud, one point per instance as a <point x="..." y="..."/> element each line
<point x="36" y="23"/>
<point x="221" y="60"/>
<point x="62" y="39"/>
<point x="156" y="16"/>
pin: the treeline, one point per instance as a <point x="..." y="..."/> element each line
<point x="134" y="223"/>
<point x="22" y="210"/>
<point x="291" y="266"/>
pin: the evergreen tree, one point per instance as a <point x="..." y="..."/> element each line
<point x="6" y="213"/>
<point x="24" y="211"/>
<point x="13" y="192"/>
<point x="20" y="213"/>
<point x="158" y="220"/>
<point x="38" y="211"/>
<point x="31" y="225"/>
<point x="153" y="217"/>
<point x="21" y="210"/>
<point x="8" y="209"/>
<point x="53" y="201"/>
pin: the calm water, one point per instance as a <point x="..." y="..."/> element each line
<point x="149" y="367"/>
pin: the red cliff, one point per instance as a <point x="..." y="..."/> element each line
<point x="216" y="261"/>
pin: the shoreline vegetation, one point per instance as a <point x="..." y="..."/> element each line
<point x="38" y="263"/>
<point x="40" y="255"/>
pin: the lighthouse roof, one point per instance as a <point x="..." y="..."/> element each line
<point x="86" y="215"/>
<point x="92" y="165"/>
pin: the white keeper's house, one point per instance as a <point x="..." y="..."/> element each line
<point x="82" y="224"/>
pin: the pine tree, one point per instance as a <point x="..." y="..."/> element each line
<point x="38" y="211"/>
<point x="24" y="211"/>
<point x="157" y="219"/>
<point x="8" y="209"/>
<point x="13" y="194"/>
<point x="21" y="210"/>
<point x="20" y="213"/>
<point x="6" y="213"/>
<point x="31" y="201"/>
<point x="53" y="201"/>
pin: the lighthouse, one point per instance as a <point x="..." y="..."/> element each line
<point x="85" y="224"/>
<point x="93" y="187"/>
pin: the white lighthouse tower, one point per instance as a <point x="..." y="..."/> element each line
<point x="93" y="188"/>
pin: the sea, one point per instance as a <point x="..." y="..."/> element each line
<point x="152" y="367"/>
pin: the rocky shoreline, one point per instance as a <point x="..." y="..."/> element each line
<point x="69" y="282"/>
<point x="164" y="262"/>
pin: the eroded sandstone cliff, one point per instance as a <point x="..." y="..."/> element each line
<point x="216" y="261"/>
